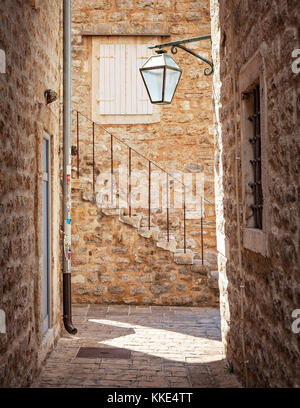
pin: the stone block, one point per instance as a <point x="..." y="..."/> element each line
<point x="184" y="258"/>
<point x="130" y="301"/>
<point x="144" y="4"/>
<point x="116" y="16"/>
<point x="82" y="290"/>
<point x="184" y="300"/>
<point x="110" y="212"/>
<point x="99" y="4"/>
<point x="198" y="5"/>
<point x="157" y="289"/>
<point x="134" y="221"/>
<point x="101" y="28"/>
<point x="116" y="289"/>
<point x="99" y="290"/>
<point x="146" y="278"/>
<point x="181" y="287"/>
<point x="137" y="290"/>
<point x="168" y="246"/>
<point x="92" y="278"/>
<point x="213" y="280"/>
<point x="193" y="16"/>
<point x="105" y="277"/>
<point x="194" y="168"/>
<point x="77" y="278"/>
<point x="199" y="268"/>
<point x="119" y="28"/>
<point x="124" y="4"/>
<point x="88" y="196"/>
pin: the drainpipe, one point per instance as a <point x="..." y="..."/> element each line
<point x="67" y="300"/>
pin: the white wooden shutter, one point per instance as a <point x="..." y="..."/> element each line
<point x="121" y="89"/>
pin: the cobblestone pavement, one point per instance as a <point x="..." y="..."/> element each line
<point x="170" y="347"/>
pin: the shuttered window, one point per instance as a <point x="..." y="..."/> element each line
<point x="121" y="89"/>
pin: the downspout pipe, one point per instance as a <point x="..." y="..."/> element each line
<point x="67" y="298"/>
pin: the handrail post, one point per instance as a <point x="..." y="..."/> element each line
<point x="93" y="156"/>
<point x="184" y="220"/>
<point x="77" y="115"/>
<point x="112" y="169"/>
<point x="202" y="249"/>
<point x="129" y="182"/>
<point x="149" y="196"/>
<point x="168" y="226"/>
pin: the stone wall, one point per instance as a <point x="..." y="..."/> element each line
<point x="30" y="34"/>
<point x="264" y="280"/>
<point x="181" y="141"/>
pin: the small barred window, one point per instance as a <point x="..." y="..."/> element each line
<point x="255" y="141"/>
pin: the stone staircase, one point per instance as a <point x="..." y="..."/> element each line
<point x="154" y="233"/>
<point x="152" y="270"/>
<point x="151" y="252"/>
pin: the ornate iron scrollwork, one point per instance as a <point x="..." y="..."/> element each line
<point x="179" y="44"/>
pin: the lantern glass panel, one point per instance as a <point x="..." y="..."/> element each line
<point x="154" y="61"/>
<point x="154" y="82"/>
<point x="171" y="62"/>
<point x="172" y="78"/>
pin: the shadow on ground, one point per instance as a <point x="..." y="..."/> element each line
<point x="169" y="347"/>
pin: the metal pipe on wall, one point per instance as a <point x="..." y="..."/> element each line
<point x="67" y="299"/>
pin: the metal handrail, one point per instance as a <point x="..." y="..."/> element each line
<point x="150" y="163"/>
<point x="132" y="149"/>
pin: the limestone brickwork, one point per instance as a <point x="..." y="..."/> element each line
<point x="30" y="36"/>
<point x="111" y="261"/>
<point x="258" y="38"/>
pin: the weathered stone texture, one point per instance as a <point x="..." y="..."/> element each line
<point x="272" y="282"/>
<point x="166" y="343"/>
<point x="119" y="266"/>
<point x="181" y="141"/>
<point x="30" y="37"/>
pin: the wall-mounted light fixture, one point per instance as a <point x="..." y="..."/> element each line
<point x="50" y="96"/>
<point x="161" y="74"/>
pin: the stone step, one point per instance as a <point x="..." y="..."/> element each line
<point x="182" y="258"/>
<point x="134" y="221"/>
<point x="153" y="232"/>
<point x="167" y="245"/>
<point x="76" y="184"/>
<point x="110" y="211"/>
<point x="199" y="268"/>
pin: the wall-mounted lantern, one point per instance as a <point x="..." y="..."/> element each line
<point x="161" y="74"/>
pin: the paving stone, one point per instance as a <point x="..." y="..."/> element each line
<point x="170" y="347"/>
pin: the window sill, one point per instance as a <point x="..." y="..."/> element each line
<point x="128" y="119"/>
<point x="255" y="240"/>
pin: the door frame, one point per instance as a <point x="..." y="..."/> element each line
<point x="47" y="321"/>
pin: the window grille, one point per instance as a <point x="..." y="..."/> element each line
<point x="256" y="184"/>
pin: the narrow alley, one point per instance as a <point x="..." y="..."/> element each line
<point x="149" y="196"/>
<point x="154" y="346"/>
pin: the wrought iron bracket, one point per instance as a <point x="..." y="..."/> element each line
<point x="179" y="44"/>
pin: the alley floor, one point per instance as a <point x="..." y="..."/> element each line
<point x="155" y="346"/>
